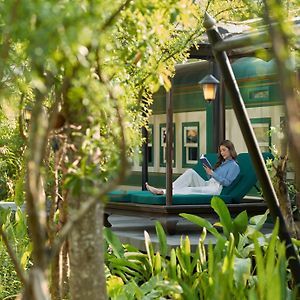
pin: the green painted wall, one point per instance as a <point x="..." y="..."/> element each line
<point x="256" y="79"/>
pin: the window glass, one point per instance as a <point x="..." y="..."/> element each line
<point x="261" y="127"/>
<point x="163" y="145"/>
<point x="190" y="143"/>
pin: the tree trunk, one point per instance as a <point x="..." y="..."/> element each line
<point x="63" y="216"/>
<point x="54" y="282"/>
<point x="87" y="277"/>
<point x="65" y="271"/>
<point x="37" y="289"/>
<point x="283" y="196"/>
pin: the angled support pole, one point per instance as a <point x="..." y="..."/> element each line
<point x="145" y="177"/>
<point x="251" y="142"/>
<point x="169" y="144"/>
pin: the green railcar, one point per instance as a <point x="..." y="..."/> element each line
<point x="193" y="117"/>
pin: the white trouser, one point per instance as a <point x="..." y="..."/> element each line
<point x="190" y="182"/>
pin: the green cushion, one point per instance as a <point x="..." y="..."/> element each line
<point x="230" y="194"/>
<point x="120" y="196"/>
<point x="226" y="190"/>
<point x="145" y="197"/>
<point x="246" y="179"/>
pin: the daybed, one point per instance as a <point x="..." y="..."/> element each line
<point x="143" y="203"/>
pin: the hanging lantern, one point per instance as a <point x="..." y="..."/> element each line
<point x="209" y="84"/>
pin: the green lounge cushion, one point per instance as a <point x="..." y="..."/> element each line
<point x="230" y="194"/>
<point x="145" y="197"/>
<point x="246" y="179"/>
<point x="226" y="190"/>
<point x="120" y="196"/>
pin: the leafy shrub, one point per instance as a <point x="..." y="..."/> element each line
<point x="11" y="157"/>
<point x="14" y="225"/>
<point x="243" y="263"/>
<point x="9" y="282"/>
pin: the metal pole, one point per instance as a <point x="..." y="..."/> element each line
<point x="218" y="112"/>
<point x="255" y="40"/>
<point x="145" y="158"/>
<point x="223" y="109"/>
<point x="252" y="145"/>
<point x="169" y="144"/>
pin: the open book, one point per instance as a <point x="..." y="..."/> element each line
<point x="205" y="161"/>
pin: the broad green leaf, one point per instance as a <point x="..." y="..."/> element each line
<point x="162" y="239"/>
<point x="222" y="211"/>
<point x="202" y="223"/>
<point x="113" y="284"/>
<point x="149" y="249"/>
<point x="186" y="253"/>
<point x="25" y="258"/>
<point x="260" y="269"/>
<point x="173" y="264"/>
<point x="239" y="225"/>
<point x="296" y="242"/>
<point x="259" y="220"/>
<point x="211" y="260"/>
<point x="121" y="262"/>
<point x="242" y="271"/>
<point x="157" y="263"/>
<point x="114" y="242"/>
<point x="19" y="191"/>
<point x="181" y="261"/>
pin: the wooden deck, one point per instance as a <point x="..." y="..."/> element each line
<point x="167" y="215"/>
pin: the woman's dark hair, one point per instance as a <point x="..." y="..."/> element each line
<point x="229" y="145"/>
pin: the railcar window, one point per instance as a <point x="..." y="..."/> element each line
<point x="259" y="95"/>
<point x="150" y="145"/>
<point x="190" y="143"/>
<point x="150" y="148"/>
<point x="262" y="127"/>
<point x="163" y="145"/>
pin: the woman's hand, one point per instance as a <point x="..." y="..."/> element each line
<point x="208" y="170"/>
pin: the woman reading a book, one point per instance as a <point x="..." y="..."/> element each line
<point x="222" y="174"/>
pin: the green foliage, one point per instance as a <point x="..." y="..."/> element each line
<point x="10" y="157"/>
<point x="247" y="268"/>
<point x="104" y="60"/>
<point x="14" y="225"/>
<point x="241" y="10"/>
<point x="235" y="10"/>
<point x="100" y="62"/>
<point x="236" y="226"/>
<point x="9" y="281"/>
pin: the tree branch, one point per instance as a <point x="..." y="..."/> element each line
<point x="114" y="15"/>
<point x="281" y="44"/>
<point x="35" y="197"/>
<point x="21" y="124"/>
<point x="226" y="10"/>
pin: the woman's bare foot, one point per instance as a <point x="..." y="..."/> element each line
<point x="154" y="190"/>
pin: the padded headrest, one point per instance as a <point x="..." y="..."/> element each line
<point x="247" y="177"/>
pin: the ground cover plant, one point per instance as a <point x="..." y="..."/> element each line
<point x="14" y="224"/>
<point x="243" y="263"/>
